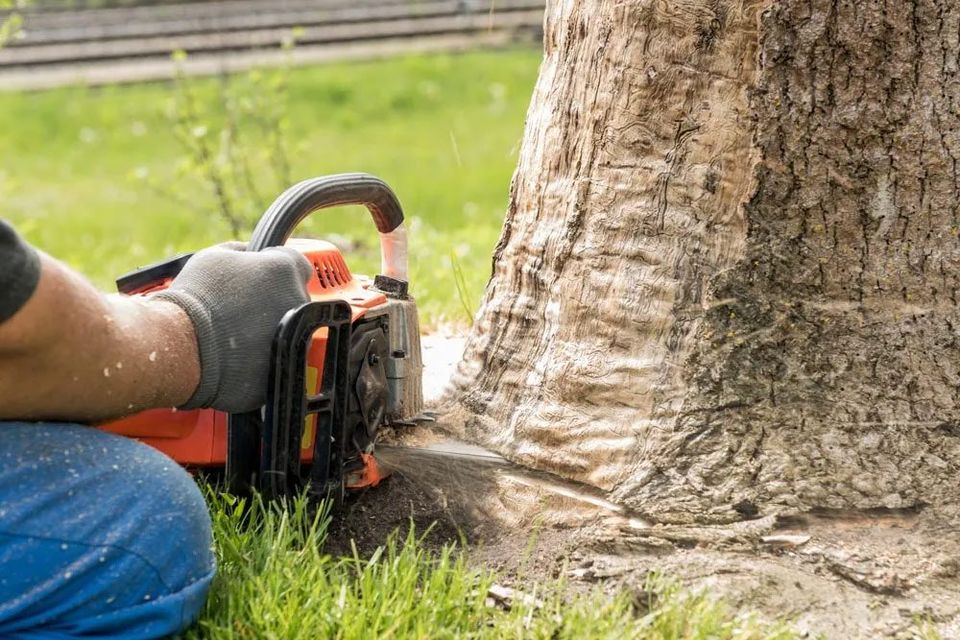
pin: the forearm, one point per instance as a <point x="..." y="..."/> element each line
<point x="74" y="353"/>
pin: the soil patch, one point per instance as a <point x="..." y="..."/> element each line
<point x="451" y="513"/>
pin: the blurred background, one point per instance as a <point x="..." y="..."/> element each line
<point x="131" y="130"/>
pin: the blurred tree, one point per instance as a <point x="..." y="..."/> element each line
<point x="727" y="282"/>
<point x="11" y="22"/>
<point x="235" y="147"/>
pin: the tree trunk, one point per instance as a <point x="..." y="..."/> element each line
<point x="727" y="279"/>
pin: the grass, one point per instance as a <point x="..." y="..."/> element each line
<point x="443" y="130"/>
<point x="275" y="581"/>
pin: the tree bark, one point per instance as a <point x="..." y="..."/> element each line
<point x="727" y="279"/>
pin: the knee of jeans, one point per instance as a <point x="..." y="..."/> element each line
<point x="171" y="526"/>
<point x="101" y="489"/>
<point x="100" y="530"/>
<point x="172" y="521"/>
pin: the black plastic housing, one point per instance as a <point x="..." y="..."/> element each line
<point x="266" y="455"/>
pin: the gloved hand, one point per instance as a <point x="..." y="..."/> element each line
<point x="235" y="300"/>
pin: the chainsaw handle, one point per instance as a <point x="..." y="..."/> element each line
<point x="303" y="198"/>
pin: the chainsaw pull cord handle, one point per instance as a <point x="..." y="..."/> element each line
<point x="303" y="198"/>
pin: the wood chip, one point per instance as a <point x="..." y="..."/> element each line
<point x="785" y="540"/>
<point x="505" y="597"/>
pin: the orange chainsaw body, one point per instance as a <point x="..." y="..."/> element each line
<point x="198" y="438"/>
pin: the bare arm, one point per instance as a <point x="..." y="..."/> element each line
<point x="74" y="353"/>
<point x="69" y="352"/>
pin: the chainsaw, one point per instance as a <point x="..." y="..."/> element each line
<point x="343" y="365"/>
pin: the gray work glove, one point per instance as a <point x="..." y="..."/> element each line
<point x="236" y="300"/>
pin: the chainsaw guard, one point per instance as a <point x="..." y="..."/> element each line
<point x="281" y="472"/>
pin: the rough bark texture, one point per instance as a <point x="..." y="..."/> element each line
<point x="727" y="280"/>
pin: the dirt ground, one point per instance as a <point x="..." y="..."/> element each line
<point x="844" y="575"/>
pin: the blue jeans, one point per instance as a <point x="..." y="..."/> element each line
<point x="100" y="536"/>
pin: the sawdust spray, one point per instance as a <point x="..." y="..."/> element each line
<point x="476" y="484"/>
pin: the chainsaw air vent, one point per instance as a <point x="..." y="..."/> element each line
<point x="332" y="271"/>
